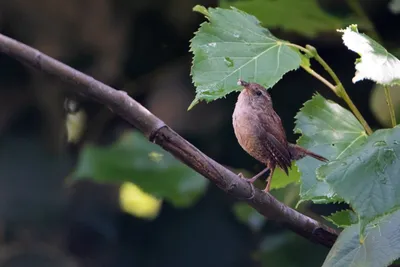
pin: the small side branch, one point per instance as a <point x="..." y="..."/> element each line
<point x="158" y="132"/>
<point x="390" y="105"/>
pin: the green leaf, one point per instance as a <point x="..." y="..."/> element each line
<point x="367" y="178"/>
<point x="280" y="179"/>
<point x="342" y="218"/>
<point x="331" y="131"/>
<point x="380" y="246"/>
<point x="376" y="63"/>
<point x="304" y="17"/>
<point x="249" y="216"/>
<point x="233" y="45"/>
<point x="133" y="158"/>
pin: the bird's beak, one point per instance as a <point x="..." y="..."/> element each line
<point x="243" y="83"/>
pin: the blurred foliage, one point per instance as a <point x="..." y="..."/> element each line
<point x="288" y="249"/>
<point x="304" y="17"/>
<point x="133" y="158"/>
<point x="394" y="6"/>
<point x="378" y="103"/>
<point x="248" y="215"/>
<point x="138" y="203"/>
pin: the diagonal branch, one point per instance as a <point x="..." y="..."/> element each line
<point x="158" y="132"/>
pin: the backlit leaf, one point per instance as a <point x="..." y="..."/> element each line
<point x="376" y="63"/>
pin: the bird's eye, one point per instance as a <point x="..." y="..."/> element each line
<point x="258" y="93"/>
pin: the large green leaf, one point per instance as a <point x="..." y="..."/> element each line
<point x="331" y="131"/>
<point x="232" y="46"/>
<point x="379" y="247"/>
<point x="376" y="63"/>
<point x="368" y="178"/>
<point x="135" y="159"/>
<point x="304" y="17"/>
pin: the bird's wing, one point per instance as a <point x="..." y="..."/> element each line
<point x="274" y="140"/>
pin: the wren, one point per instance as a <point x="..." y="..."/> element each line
<point x="259" y="131"/>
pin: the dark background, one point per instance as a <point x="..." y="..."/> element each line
<point x="143" y="48"/>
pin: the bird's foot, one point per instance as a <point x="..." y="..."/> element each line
<point x="266" y="189"/>
<point x="251" y="180"/>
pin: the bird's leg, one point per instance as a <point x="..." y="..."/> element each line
<point x="269" y="179"/>
<point x="252" y="180"/>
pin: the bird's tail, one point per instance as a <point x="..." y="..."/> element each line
<point x="297" y="152"/>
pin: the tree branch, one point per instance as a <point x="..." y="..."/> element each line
<point x="158" y="132"/>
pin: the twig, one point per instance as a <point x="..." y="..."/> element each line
<point x="339" y="88"/>
<point x="390" y="105"/>
<point x="319" y="77"/>
<point x="158" y="132"/>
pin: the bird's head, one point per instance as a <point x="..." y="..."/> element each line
<point x="254" y="94"/>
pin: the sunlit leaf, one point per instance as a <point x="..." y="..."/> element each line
<point x="367" y="178"/>
<point x="305" y="17"/>
<point x="138" y="203"/>
<point x="376" y="63"/>
<point x="342" y="218"/>
<point x="379" y="247"/>
<point x="331" y="131"/>
<point x="135" y="159"/>
<point x="281" y="179"/>
<point x="232" y="45"/>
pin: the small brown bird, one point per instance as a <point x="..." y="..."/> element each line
<point x="259" y="131"/>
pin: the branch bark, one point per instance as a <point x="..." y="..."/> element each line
<point x="158" y="132"/>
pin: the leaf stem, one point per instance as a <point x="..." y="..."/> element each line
<point x="319" y="77"/>
<point x="390" y="105"/>
<point x="338" y="89"/>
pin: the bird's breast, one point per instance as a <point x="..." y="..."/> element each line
<point x="247" y="129"/>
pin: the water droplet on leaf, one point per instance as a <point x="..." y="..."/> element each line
<point x="396" y="142"/>
<point x="228" y="62"/>
<point x="380" y="143"/>
<point x="212" y="44"/>
<point x="236" y="35"/>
